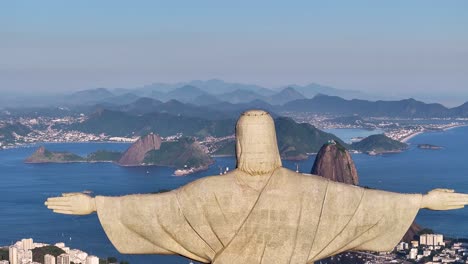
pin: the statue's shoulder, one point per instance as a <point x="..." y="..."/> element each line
<point x="211" y="182"/>
<point x="307" y="179"/>
<point x="287" y="177"/>
<point x="301" y="177"/>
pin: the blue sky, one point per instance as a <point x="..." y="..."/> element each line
<point x="382" y="47"/>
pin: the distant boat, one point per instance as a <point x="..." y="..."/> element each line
<point x="147" y="172"/>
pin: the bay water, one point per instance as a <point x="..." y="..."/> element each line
<point x="25" y="187"/>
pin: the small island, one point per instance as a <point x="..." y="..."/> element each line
<point x="184" y="154"/>
<point x="429" y="146"/>
<point x="378" y="144"/>
<point x="42" y="155"/>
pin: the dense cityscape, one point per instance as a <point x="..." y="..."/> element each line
<point x="53" y="130"/>
<point x="430" y="248"/>
<point x="22" y="253"/>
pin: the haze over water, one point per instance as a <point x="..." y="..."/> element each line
<point x="26" y="186"/>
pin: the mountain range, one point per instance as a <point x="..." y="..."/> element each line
<point x="232" y="98"/>
<point x="320" y="104"/>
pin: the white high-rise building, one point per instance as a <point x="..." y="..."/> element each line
<point x="402" y="246"/>
<point x="439" y="240"/>
<point x="92" y="260"/>
<point x="63" y="259"/>
<point x="49" y="259"/>
<point x="423" y="239"/>
<point x="431" y="239"/>
<point x="27" y="243"/>
<point x="413" y="254"/>
<point x="13" y="253"/>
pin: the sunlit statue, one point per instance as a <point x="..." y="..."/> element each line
<point x="258" y="213"/>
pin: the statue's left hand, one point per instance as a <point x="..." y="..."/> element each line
<point x="72" y="203"/>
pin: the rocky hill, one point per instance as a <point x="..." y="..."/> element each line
<point x="42" y="155"/>
<point x="378" y="144"/>
<point x="184" y="153"/>
<point x="334" y="162"/>
<point x="295" y="140"/>
<point x="135" y="154"/>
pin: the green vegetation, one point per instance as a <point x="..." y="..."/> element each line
<point x="226" y="148"/>
<point x="296" y="139"/>
<point x="42" y="155"/>
<point x="116" y="123"/>
<point x="378" y="143"/>
<point x="425" y="231"/>
<point x="39" y="253"/>
<point x="184" y="152"/>
<point x="8" y="131"/>
<point x="103" y="155"/>
<point x="4" y="254"/>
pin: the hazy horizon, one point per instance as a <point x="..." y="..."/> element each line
<point x="396" y="49"/>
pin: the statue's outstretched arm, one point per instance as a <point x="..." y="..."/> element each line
<point x="444" y="199"/>
<point x="72" y="203"/>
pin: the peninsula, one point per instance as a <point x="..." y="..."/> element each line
<point x="185" y="154"/>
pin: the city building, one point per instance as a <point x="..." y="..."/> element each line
<point x="92" y="260"/>
<point x="13" y="254"/>
<point x="49" y="259"/>
<point x="4" y="261"/>
<point x="402" y="246"/>
<point x="27" y="243"/>
<point x="431" y="240"/>
<point x="63" y="259"/>
<point x="413" y="254"/>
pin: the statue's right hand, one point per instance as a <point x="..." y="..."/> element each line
<point x="72" y="203"/>
<point x="444" y="199"/>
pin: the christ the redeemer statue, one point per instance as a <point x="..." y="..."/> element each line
<point x="258" y="213"/>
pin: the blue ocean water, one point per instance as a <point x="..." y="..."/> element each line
<point x="346" y="134"/>
<point x="24" y="188"/>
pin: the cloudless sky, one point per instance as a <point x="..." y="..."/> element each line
<point x="389" y="47"/>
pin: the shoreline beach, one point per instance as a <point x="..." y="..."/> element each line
<point x="412" y="135"/>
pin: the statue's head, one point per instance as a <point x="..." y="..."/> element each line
<point x="256" y="144"/>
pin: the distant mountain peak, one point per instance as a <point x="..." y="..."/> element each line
<point x="286" y="95"/>
<point x="189" y="87"/>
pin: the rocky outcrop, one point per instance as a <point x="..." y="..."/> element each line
<point x="334" y="162"/>
<point x="135" y="154"/>
<point x="412" y="233"/>
<point x="185" y="154"/>
<point x="42" y="155"/>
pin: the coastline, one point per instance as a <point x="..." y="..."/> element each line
<point x="36" y="144"/>
<point x="452" y="127"/>
<point x="412" y="135"/>
<point x="407" y="138"/>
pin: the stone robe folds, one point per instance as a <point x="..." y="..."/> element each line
<point x="291" y="218"/>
